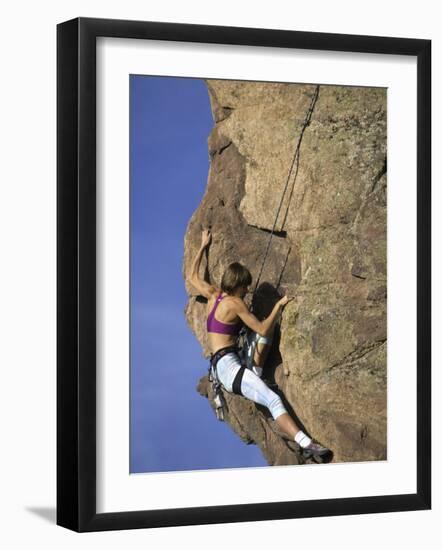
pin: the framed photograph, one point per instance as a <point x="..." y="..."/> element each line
<point x="243" y="274"/>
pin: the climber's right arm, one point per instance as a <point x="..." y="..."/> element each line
<point x="263" y="328"/>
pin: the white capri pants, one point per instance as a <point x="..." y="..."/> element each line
<point x="252" y="386"/>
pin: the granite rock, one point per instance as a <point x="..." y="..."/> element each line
<point x="328" y="252"/>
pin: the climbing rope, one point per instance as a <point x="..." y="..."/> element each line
<point x="305" y="124"/>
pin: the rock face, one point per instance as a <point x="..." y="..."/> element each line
<point x="328" y="252"/>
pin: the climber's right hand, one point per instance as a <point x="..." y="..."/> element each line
<point x="285" y="300"/>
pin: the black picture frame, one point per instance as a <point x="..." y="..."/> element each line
<point x="76" y="273"/>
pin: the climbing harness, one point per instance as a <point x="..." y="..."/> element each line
<point x="245" y="349"/>
<point x="220" y="402"/>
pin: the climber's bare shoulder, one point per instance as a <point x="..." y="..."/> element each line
<point x="243" y="312"/>
<point x="204" y="288"/>
<point x="238" y="306"/>
<point x="212" y="295"/>
<point x="237" y="302"/>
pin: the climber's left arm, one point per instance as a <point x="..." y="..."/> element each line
<point x="203" y="287"/>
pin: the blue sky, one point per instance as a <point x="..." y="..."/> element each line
<point x="172" y="426"/>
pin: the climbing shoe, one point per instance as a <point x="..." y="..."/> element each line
<point x="316" y="452"/>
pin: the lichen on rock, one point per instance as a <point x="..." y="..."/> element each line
<point x="328" y="252"/>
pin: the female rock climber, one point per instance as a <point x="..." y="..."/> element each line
<point x="226" y="313"/>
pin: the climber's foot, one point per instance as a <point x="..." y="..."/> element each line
<point x="317" y="452"/>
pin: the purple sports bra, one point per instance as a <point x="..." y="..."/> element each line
<point x="213" y="325"/>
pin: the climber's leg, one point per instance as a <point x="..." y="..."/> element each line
<point x="256" y="390"/>
<point x="227" y="368"/>
<point x="287" y="425"/>
<point x="310" y="448"/>
<point x="262" y="349"/>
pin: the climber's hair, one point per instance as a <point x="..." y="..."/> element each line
<point x="235" y="276"/>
